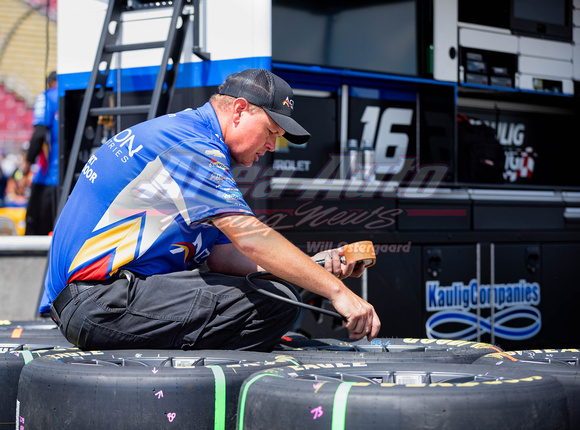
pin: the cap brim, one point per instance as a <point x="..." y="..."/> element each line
<point x="295" y="133"/>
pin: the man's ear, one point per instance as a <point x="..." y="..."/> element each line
<point x="240" y="105"/>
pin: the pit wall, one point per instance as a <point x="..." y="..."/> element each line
<point x="22" y="267"/>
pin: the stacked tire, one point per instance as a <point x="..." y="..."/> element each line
<point x="413" y="383"/>
<point x="32" y="332"/>
<point x="137" y="389"/>
<point x="562" y="364"/>
<point x="303" y="383"/>
<point x="384" y="349"/>
<point x="20" y="343"/>
<point x="13" y="358"/>
<point x="401" y="396"/>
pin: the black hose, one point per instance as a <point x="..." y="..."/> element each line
<point x="287" y="299"/>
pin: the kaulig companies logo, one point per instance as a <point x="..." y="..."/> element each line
<point x="453" y="305"/>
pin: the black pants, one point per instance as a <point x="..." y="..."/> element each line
<point x="41" y="210"/>
<point x="186" y="310"/>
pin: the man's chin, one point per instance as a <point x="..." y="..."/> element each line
<point x="242" y="162"/>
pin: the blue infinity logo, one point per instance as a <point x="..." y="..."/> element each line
<point x="501" y="327"/>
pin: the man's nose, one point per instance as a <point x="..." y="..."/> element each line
<point x="271" y="144"/>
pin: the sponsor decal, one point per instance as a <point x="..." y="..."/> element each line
<point x="231" y="193"/>
<point x="519" y="164"/>
<point x="292" y="165"/>
<point x="187" y="248"/>
<point x="288" y="102"/>
<point x="192" y="251"/>
<point x="520" y="155"/>
<point x="408" y="381"/>
<point x="517" y="319"/>
<point x="77" y="353"/>
<point x="215" y="163"/>
<point x="122" y="145"/>
<point x="214" y="153"/>
<point x="216" y="179"/>
<point x="88" y="170"/>
<point x="328" y="366"/>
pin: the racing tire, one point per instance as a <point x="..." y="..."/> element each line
<point x="32" y="332"/>
<point x="383" y="349"/>
<point x="13" y="357"/>
<point x="562" y="364"/>
<point x="137" y="389"/>
<point x="405" y="396"/>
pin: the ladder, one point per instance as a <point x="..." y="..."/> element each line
<point x="94" y="102"/>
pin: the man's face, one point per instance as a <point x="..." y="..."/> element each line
<point x="255" y="133"/>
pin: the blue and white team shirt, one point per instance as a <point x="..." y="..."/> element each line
<point x="142" y="200"/>
<point x="45" y="113"/>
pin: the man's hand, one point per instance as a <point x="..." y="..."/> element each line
<point x="361" y="318"/>
<point x="25" y="168"/>
<point x="333" y="263"/>
<point x="269" y="250"/>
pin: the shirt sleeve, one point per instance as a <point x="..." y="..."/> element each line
<point x="39" y="110"/>
<point x="222" y="239"/>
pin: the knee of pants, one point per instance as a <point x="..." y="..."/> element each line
<point x="289" y="315"/>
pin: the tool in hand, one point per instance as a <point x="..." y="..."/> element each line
<point x="362" y="252"/>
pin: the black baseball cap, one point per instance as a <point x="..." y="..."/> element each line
<point x="272" y="93"/>
<point x="52" y="77"/>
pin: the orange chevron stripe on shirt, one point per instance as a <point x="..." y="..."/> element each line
<point x="119" y="242"/>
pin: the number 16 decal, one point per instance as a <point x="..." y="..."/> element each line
<point x="390" y="146"/>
